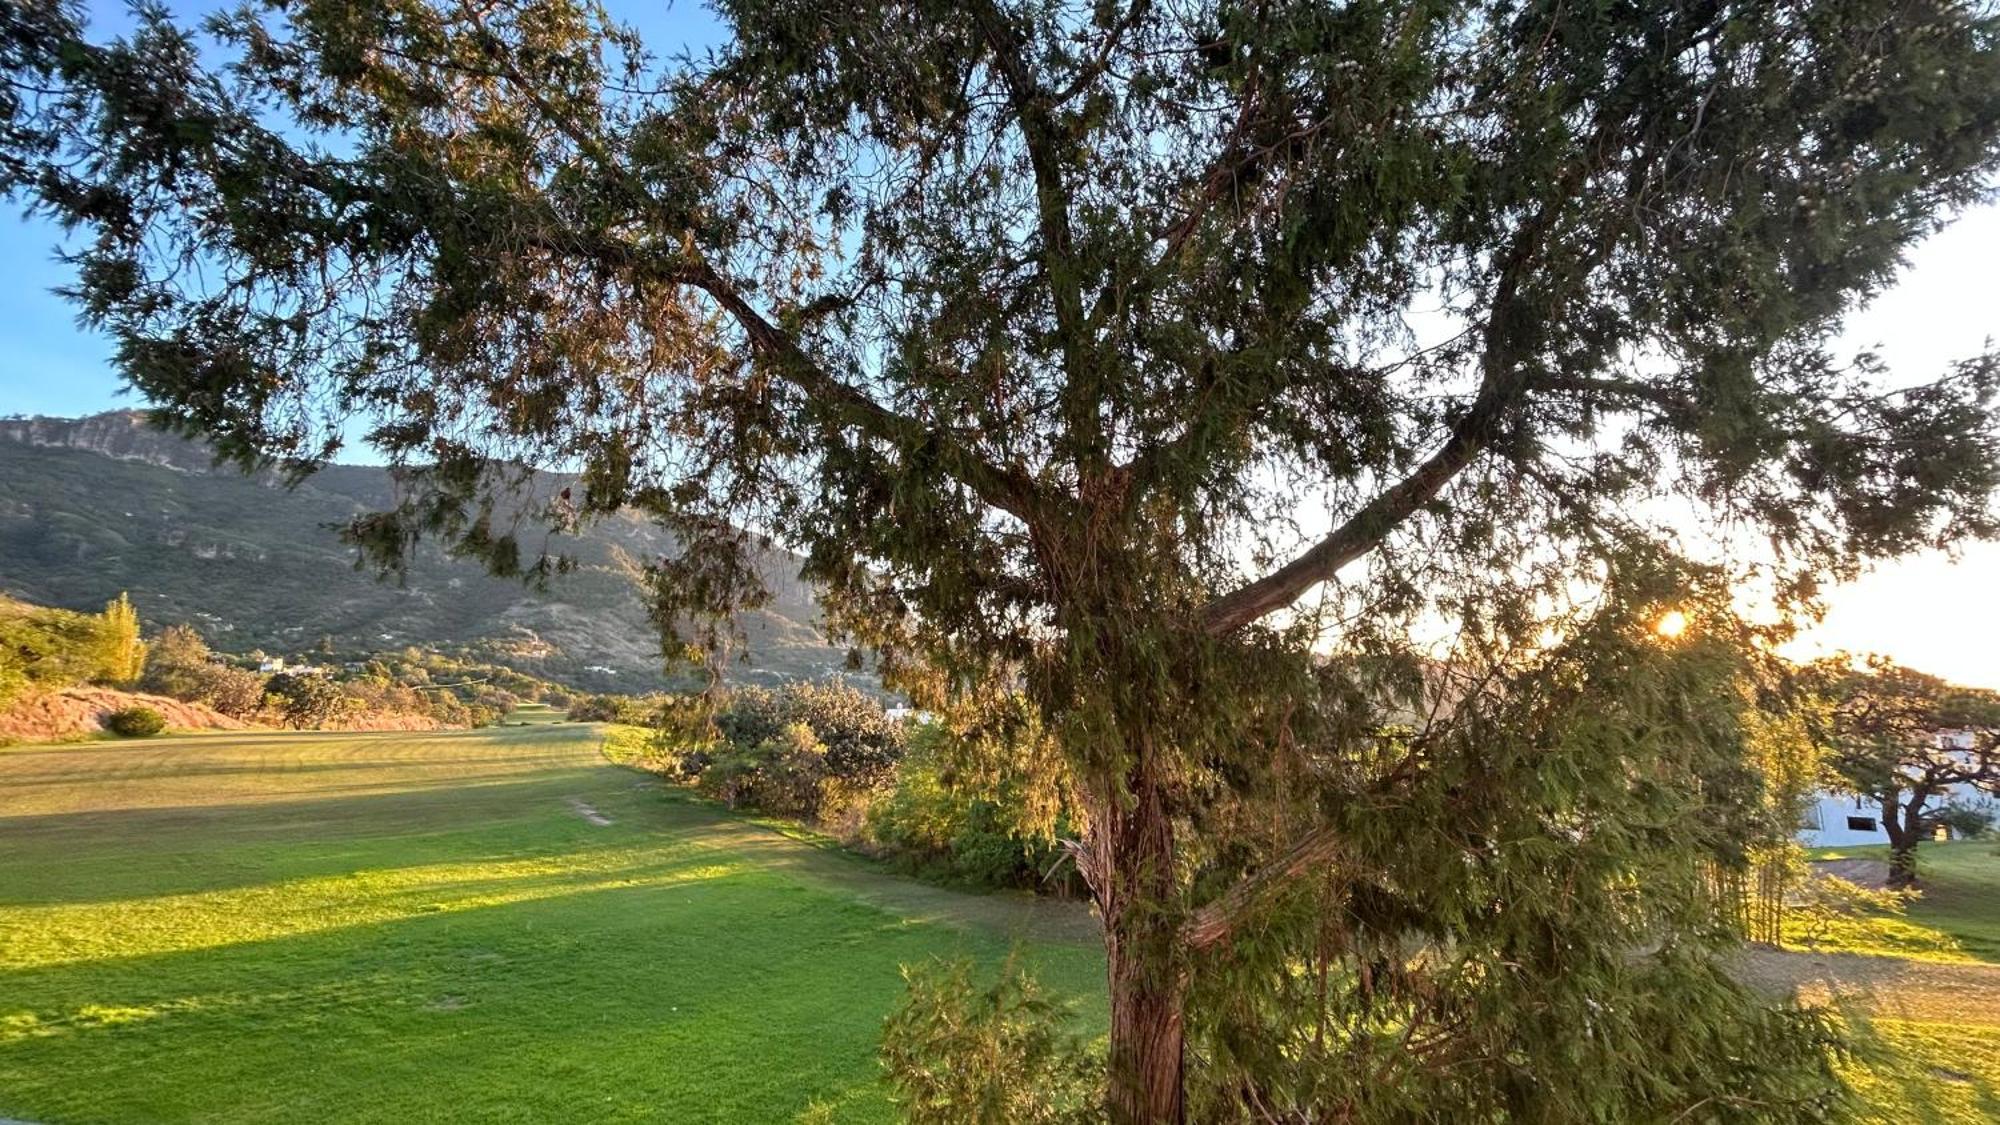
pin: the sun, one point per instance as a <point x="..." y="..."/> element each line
<point x="1672" y="624"/>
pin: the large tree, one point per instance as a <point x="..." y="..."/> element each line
<point x="1910" y="742"/>
<point x="1175" y="368"/>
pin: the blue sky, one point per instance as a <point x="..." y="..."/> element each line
<point x="1934" y="612"/>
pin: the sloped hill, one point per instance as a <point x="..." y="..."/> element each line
<point x="78" y="711"/>
<point x="93" y="506"/>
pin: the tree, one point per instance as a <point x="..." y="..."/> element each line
<point x="1905" y="740"/>
<point x="121" y="652"/>
<point x="307" y="702"/>
<point x="1176" y="367"/>
<point x="177" y="663"/>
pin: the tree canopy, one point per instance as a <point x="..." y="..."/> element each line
<point x="1908" y="740"/>
<point x="1171" y="370"/>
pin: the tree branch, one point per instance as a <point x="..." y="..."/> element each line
<point x="1010" y="490"/>
<point x="1032" y="105"/>
<point x="1504" y="383"/>
<point x="1215" y="922"/>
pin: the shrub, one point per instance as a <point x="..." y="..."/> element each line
<point x="862" y="744"/>
<point x="1967" y="822"/>
<point x="955" y="1053"/>
<point x="236" y="692"/>
<point x="54" y="648"/>
<point x="977" y="833"/>
<point x="178" y="664"/>
<point x="305" y="701"/>
<point x="595" y="709"/>
<point x="781" y="775"/>
<point x="135" y="722"/>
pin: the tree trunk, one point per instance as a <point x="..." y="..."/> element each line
<point x="1146" y="1044"/>
<point x="1902" y="845"/>
<point x="1148" y="983"/>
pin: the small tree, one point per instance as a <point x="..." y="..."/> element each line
<point x="122" y="655"/>
<point x="304" y="702"/>
<point x="177" y="664"/>
<point x="1905" y="740"/>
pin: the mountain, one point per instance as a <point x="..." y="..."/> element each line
<point x="93" y="506"/>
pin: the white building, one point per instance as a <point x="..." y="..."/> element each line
<point x="1839" y="820"/>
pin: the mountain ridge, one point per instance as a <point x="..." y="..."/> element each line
<point x="95" y="505"/>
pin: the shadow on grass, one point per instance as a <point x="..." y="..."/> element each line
<point x="665" y="992"/>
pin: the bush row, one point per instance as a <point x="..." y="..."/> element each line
<point x="828" y="755"/>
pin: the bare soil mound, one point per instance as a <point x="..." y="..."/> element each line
<point x="74" y="712"/>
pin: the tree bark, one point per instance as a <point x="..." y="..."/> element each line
<point x="1902" y="844"/>
<point x="1148" y="982"/>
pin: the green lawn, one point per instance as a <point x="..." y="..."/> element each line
<point x="408" y="927"/>
<point x="535" y="713"/>
<point x="425" y="926"/>
<point x="1956" y="918"/>
<point x="1929" y="980"/>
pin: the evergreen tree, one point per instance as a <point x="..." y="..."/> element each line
<point x="121" y="652"/>
<point x="1172" y="368"/>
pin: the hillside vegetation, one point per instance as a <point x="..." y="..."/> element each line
<point x="94" y="506"/>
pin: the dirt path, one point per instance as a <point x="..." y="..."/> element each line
<point x="1892" y="987"/>
<point x="1870" y="873"/>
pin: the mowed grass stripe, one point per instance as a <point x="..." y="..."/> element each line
<point x="421" y="927"/>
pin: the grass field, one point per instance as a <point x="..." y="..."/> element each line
<point x="502" y="926"/>
<point x="1956" y="918"/>
<point x="412" y="927"/>
<point x="1930" y="979"/>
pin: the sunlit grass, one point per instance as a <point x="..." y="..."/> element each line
<point x="1912" y="1073"/>
<point x="425" y="927"/>
<point x="1956" y="917"/>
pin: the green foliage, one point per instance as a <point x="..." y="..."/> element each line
<point x="941" y="822"/>
<point x="861" y="744"/>
<point x="1569" y="813"/>
<point x="1966" y="821"/>
<point x="124" y="655"/>
<point x="304" y="702"/>
<point x="53" y="648"/>
<point x="783" y="774"/>
<point x="135" y="722"/>
<point x="959" y="1053"/>
<point x="815" y="751"/>
<point x="599" y="709"/>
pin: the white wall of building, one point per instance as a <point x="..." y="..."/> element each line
<point x="1842" y="820"/>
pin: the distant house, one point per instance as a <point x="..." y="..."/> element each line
<point x="271" y="664"/>
<point x="1836" y="819"/>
